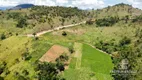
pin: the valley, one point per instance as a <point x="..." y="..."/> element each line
<point x="64" y="43"/>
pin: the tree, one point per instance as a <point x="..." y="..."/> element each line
<point x="63" y="21"/>
<point x="47" y="71"/>
<point x="26" y="56"/>
<point x="126" y="18"/>
<point x="64" y="33"/>
<point x="34" y="34"/>
<point x="124" y="41"/>
<point x="3" y="36"/>
<point x="60" y="66"/>
<point x="22" y="22"/>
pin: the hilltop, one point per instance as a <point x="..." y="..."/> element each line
<point x="119" y="10"/>
<point x="22" y="6"/>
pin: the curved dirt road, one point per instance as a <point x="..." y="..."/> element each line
<point x="55" y="29"/>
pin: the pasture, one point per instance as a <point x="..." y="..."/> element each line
<point x="92" y="65"/>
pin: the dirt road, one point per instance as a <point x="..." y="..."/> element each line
<point x="55" y="29"/>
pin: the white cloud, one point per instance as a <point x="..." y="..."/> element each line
<point x="8" y="3"/>
<point x="83" y="4"/>
<point x="36" y="2"/>
<point x="62" y="1"/>
<point x="44" y="2"/>
<point x="88" y="4"/>
<point x="136" y="3"/>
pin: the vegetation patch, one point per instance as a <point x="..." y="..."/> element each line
<point x="95" y="65"/>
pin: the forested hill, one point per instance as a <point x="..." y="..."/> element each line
<point x="119" y="10"/>
<point x="39" y="18"/>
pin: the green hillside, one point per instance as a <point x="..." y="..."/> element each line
<point x="38" y="18"/>
<point x="120" y="10"/>
<point x="110" y="38"/>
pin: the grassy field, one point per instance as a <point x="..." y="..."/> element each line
<point x="11" y="50"/>
<point x="95" y="65"/>
<point x="88" y="63"/>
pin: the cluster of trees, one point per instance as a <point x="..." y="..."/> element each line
<point x="65" y="12"/>
<point x="2" y="67"/>
<point x="22" y="76"/>
<point x="125" y="50"/>
<point x="13" y="15"/>
<point x="20" y="18"/>
<point x="44" y="13"/>
<point x="137" y="19"/>
<point x="22" y="22"/>
<point x="50" y="71"/>
<point x="109" y="21"/>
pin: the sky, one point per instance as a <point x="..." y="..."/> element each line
<point x="82" y="4"/>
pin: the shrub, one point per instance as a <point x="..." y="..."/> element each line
<point x="26" y="56"/>
<point x="36" y="38"/>
<point x="16" y="34"/>
<point x="124" y="41"/>
<point x="3" y="36"/>
<point x="34" y="34"/>
<point x="64" y="33"/>
<point x="107" y="21"/>
<point x="89" y="22"/>
<point x="2" y="67"/>
<point x="25" y="72"/>
<point x="60" y="66"/>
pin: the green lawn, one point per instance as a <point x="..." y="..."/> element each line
<point x="95" y="65"/>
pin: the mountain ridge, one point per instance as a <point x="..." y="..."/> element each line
<point x="22" y="6"/>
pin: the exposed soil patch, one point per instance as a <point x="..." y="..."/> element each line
<point x="53" y="53"/>
<point x="76" y="31"/>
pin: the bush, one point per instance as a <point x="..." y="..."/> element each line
<point x="60" y="66"/>
<point x="2" y="66"/>
<point x="25" y="72"/>
<point x="89" y="22"/>
<point x="64" y="33"/>
<point x="26" y="56"/>
<point x="137" y="19"/>
<point x="107" y="21"/>
<point x="124" y="41"/>
<point x="63" y="58"/>
<point x="36" y="38"/>
<point x="16" y="34"/>
<point x="3" y="36"/>
<point x="71" y="50"/>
